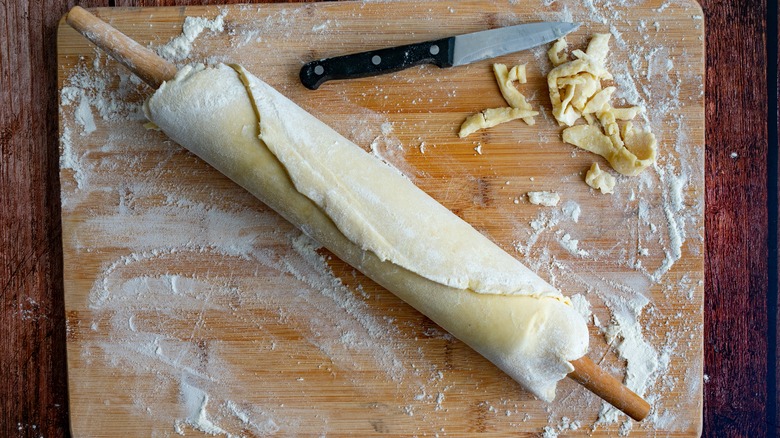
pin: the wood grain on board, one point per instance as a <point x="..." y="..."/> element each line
<point x="34" y="399"/>
<point x="410" y="119"/>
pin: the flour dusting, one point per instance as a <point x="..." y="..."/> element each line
<point x="195" y="402"/>
<point x="179" y="48"/>
<point x="177" y="260"/>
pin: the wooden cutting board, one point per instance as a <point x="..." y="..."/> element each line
<point x="194" y="309"/>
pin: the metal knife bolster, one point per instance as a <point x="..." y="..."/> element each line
<point x="376" y="62"/>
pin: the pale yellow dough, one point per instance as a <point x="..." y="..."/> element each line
<point x="547" y="199"/>
<point x="557" y="52"/>
<point x="491" y="117"/>
<point x="375" y="219"/>
<point x="600" y="180"/>
<point x="575" y="92"/>
<point x="506" y="79"/>
<point x="519" y="108"/>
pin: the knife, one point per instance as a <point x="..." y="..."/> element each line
<point x="445" y="52"/>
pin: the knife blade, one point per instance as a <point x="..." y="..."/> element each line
<point x="445" y="52"/>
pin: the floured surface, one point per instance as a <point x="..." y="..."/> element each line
<point x="191" y="306"/>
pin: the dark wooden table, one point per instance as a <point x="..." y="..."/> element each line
<point x="741" y="219"/>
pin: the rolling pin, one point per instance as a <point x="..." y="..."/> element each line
<point x="156" y="71"/>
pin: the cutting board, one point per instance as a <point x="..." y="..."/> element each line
<point x="194" y="309"/>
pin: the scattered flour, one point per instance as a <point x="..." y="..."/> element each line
<point x="565" y="425"/>
<point x="195" y="401"/>
<point x="180" y="47"/>
<point x="582" y="305"/>
<point x="143" y="316"/>
<point x="673" y="208"/>
<point x="625" y="331"/>
<point x="83" y="116"/>
<point x="572" y="245"/>
<point x="572" y="210"/>
<point x="668" y="222"/>
<point x="151" y="222"/>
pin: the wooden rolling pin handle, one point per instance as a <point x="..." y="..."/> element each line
<point x="146" y="64"/>
<point x="154" y="70"/>
<point x="592" y="377"/>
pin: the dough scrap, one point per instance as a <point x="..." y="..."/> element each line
<point x="629" y="152"/>
<point x="374" y="219"/>
<point x="600" y="180"/>
<point x="519" y="108"/>
<point x="547" y="199"/>
<point x="598" y="47"/>
<point x="580" y="78"/>
<point x="557" y="52"/>
<point x="491" y="117"/>
<point x="576" y="92"/>
<point x="506" y="78"/>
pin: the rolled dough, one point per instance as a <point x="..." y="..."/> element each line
<point x="374" y="219"/>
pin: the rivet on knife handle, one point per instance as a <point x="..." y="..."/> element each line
<point x="377" y="62"/>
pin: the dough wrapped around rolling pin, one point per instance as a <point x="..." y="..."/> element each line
<point x="375" y="219"/>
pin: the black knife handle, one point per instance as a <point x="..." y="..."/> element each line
<point x="377" y="62"/>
